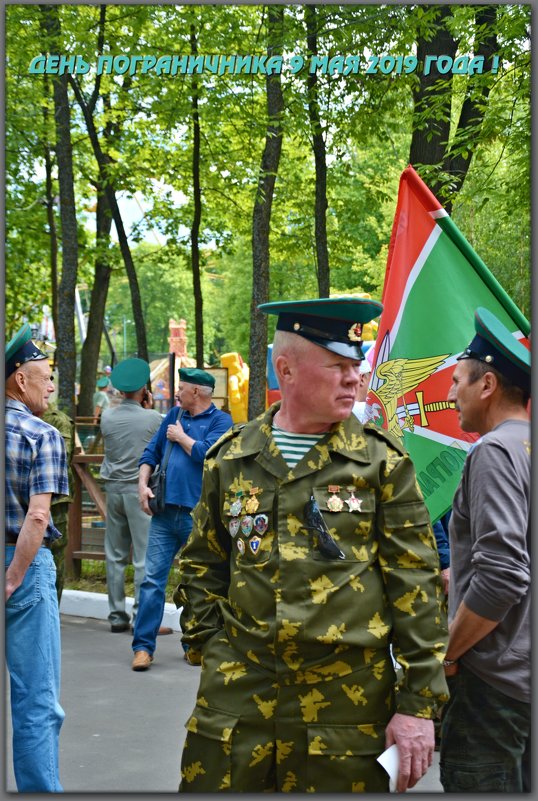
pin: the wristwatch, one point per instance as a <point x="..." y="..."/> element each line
<point x="449" y="662"/>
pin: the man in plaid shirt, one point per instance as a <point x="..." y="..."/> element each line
<point x="36" y="472"/>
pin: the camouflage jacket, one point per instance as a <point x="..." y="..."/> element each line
<point x="285" y="606"/>
<point x="65" y="425"/>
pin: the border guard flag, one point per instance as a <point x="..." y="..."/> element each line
<point x="434" y="281"/>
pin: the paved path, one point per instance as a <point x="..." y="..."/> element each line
<point x="124" y="731"/>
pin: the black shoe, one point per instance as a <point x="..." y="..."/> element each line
<point x="115" y="628"/>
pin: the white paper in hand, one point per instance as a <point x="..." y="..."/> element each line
<point x="390" y="760"/>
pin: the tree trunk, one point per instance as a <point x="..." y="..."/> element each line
<point x="318" y="145"/>
<point x="195" y="230"/>
<point x="429" y="141"/>
<point x="92" y="345"/>
<point x="65" y="332"/>
<point x="103" y="160"/>
<point x="261" y="219"/>
<point x="473" y="109"/>
<point x="51" y="221"/>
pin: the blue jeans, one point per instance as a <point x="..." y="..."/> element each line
<point x="485" y="739"/>
<point x="33" y="661"/>
<point x="168" y="533"/>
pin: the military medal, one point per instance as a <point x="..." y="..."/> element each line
<point x="260" y="523"/>
<point x="246" y="525"/>
<point x="335" y="502"/>
<point x="240" y="546"/>
<point x="353" y="503"/>
<point x="254" y="544"/>
<point x="233" y="527"/>
<point x="252" y="503"/>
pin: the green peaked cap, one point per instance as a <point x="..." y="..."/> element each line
<point x="332" y="323"/>
<point x="21" y="349"/>
<point x="496" y="346"/>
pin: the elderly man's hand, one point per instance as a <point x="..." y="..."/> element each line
<point x="415" y="738"/>
<point x="174" y="432"/>
<point x="144" y="496"/>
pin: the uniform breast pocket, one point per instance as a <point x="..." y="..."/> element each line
<point x="348" y="515"/>
<point x="248" y="518"/>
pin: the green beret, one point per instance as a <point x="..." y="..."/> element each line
<point x="102" y="383"/>
<point x="130" y="375"/>
<point x="192" y="375"/>
<point x="496" y="346"/>
<point x="21" y="349"/>
<point x="332" y="323"/>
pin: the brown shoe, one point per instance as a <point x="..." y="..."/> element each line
<point x="142" y="660"/>
<point x="165" y="630"/>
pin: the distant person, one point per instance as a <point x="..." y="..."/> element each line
<point x="311" y="554"/>
<point x="35" y="476"/>
<point x="365" y="372"/>
<point x="100" y="399"/>
<point x="190" y="431"/>
<point x="126" y="430"/>
<point x="486" y="727"/>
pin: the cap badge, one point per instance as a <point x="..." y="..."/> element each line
<point x="355" y="332"/>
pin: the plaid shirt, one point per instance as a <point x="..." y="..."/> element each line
<point x="35" y="464"/>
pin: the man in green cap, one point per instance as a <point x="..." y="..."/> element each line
<point x="311" y="555"/>
<point x="181" y="442"/>
<point x="126" y="430"/>
<point x="485" y="740"/>
<point x="100" y="398"/>
<point x="35" y="476"/>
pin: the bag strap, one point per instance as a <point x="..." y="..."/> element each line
<point x="169" y="444"/>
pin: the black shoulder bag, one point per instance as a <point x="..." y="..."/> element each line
<point x="157" y="481"/>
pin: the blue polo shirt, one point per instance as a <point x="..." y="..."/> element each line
<point x="184" y="472"/>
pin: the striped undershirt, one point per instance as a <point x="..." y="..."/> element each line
<point x="294" y="446"/>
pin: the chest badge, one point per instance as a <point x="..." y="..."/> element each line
<point x="252" y="503"/>
<point x="236" y="507"/>
<point x="261" y="523"/>
<point x="241" y="546"/>
<point x="246" y="525"/>
<point x="254" y="544"/>
<point x="233" y="526"/>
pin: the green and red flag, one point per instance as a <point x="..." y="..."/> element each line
<point x="434" y="281"/>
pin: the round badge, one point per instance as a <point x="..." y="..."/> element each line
<point x="335" y="504"/>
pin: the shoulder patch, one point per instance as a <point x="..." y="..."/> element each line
<point x="381" y="433"/>
<point x="226" y="437"/>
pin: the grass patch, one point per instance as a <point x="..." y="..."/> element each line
<point x="93" y="579"/>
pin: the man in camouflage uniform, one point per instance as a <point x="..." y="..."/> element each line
<point x="296" y="581"/>
<point x="60" y="507"/>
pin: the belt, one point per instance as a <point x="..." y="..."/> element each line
<point x="12" y="540"/>
<point x="180" y="508"/>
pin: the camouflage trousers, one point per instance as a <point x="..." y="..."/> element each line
<point x="250" y="732"/>
<point x="60" y="516"/>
